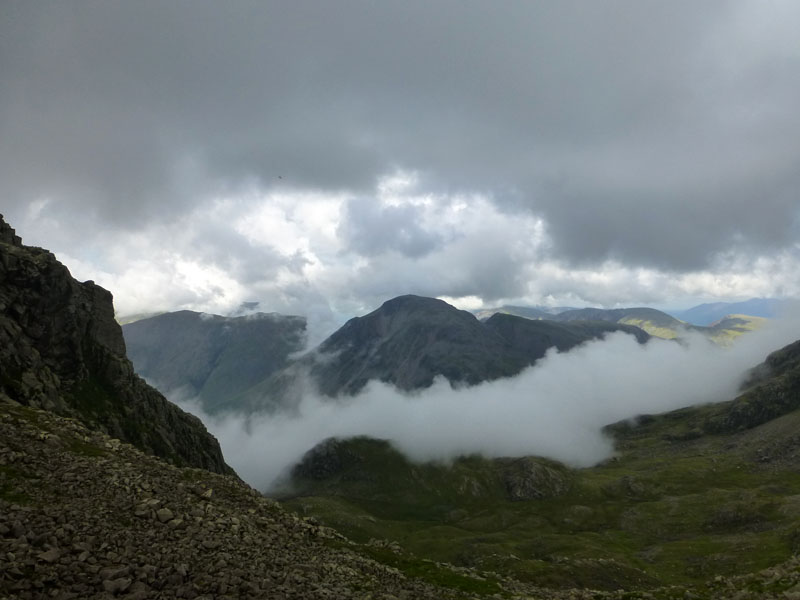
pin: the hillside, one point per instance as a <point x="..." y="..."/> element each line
<point x="62" y="350"/>
<point x="693" y="496"/>
<point x="210" y="357"/>
<point x="85" y="516"/>
<point x="532" y="338"/>
<point x="653" y="321"/>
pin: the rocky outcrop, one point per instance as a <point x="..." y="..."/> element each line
<point x="773" y="389"/>
<point x="61" y="350"/>
<point x="531" y="478"/>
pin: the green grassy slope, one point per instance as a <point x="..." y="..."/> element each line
<point x="691" y="495"/>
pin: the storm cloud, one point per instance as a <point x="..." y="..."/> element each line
<point x="644" y="141"/>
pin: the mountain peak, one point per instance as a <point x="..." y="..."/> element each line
<point x="411" y="302"/>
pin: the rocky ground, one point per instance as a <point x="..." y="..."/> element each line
<point x="83" y="515"/>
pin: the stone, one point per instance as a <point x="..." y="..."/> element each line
<point x="164" y="515"/>
<point x="117" y="586"/>
<point x="51" y="555"/>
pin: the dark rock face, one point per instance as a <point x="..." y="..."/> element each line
<point x="62" y="350"/>
<point x="211" y="357"/>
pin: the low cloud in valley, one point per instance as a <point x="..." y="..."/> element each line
<point x="555" y="408"/>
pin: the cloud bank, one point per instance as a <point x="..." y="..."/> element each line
<point x="198" y="153"/>
<point x="555" y="408"/>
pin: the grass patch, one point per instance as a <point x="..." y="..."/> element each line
<point x="435" y="574"/>
<point x="670" y="510"/>
<point x="83" y="448"/>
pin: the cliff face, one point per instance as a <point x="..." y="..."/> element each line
<point x="62" y="350"/>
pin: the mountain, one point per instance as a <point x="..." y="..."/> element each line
<point x="693" y="500"/>
<point x="532" y="338"/>
<point x="61" y="350"/>
<point x="653" y="321"/>
<point x="410" y="340"/>
<point x="706" y="314"/>
<point x="528" y="312"/>
<point x="660" y="324"/>
<point x="210" y="357"/>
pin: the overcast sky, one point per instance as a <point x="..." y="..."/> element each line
<point x="322" y="157"/>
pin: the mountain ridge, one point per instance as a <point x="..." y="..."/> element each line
<point x="706" y="314"/>
<point x="410" y="340"/>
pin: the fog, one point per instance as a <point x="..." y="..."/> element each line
<point x="556" y="408"/>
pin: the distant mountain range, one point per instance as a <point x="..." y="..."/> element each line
<point x="244" y="363"/>
<point x="528" y="312"/>
<point x="706" y="314"/>
<point x="410" y="340"/>
<point x="655" y="322"/>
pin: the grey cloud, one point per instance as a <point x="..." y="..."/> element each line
<point x="657" y="133"/>
<point x="373" y="228"/>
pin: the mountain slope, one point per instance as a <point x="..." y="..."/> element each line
<point x="85" y="516"/>
<point x="532" y="338"/>
<point x="210" y="357"/>
<point x="62" y="350"/>
<point x="660" y="324"/>
<point x="408" y="341"/>
<point x="653" y="321"/>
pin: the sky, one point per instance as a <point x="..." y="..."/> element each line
<point x="322" y="157"/>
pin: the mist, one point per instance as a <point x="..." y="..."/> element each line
<point x="556" y="408"/>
